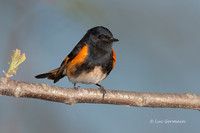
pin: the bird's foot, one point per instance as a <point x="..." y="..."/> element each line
<point x="102" y="90"/>
<point x="78" y="87"/>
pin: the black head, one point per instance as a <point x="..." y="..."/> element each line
<point x="99" y="36"/>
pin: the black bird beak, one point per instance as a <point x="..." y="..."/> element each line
<point x="113" y="39"/>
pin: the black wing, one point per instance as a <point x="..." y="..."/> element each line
<point x="70" y="57"/>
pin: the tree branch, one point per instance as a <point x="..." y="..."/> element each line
<point x="71" y="96"/>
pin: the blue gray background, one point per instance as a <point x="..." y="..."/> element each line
<point x="158" y="52"/>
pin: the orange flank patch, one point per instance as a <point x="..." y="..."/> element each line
<point x="114" y="57"/>
<point x="80" y="56"/>
<point x="79" y="59"/>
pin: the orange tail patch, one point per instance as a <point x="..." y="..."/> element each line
<point x="50" y="75"/>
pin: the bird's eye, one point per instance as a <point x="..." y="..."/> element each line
<point x="100" y="36"/>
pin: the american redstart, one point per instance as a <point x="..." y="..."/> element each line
<point x="91" y="60"/>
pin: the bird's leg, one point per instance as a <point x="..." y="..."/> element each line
<point x="102" y="90"/>
<point x="78" y="87"/>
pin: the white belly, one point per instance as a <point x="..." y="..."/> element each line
<point x="92" y="77"/>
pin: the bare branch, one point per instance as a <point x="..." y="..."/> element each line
<point x="71" y="96"/>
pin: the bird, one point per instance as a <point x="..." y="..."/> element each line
<point x="90" y="61"/>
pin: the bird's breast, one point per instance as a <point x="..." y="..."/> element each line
<point x="93" y="76"/>
<point x="92" y="67"/>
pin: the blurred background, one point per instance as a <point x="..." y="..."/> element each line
<point x="158" y="52"/>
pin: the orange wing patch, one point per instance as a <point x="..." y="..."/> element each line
<point x="114" y="58"/>
<point x="79" y="59"/>
<point x="66" y="59"/>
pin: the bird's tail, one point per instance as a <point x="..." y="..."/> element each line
<point x="50" y="75"/>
